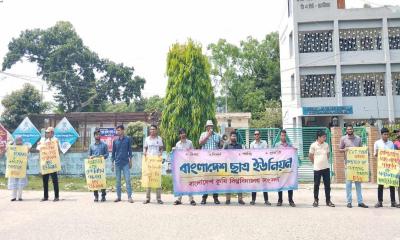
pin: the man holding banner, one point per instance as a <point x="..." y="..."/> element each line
<point x="384" y="144"/>
<point x="17" y="160"/>
<point x="258" y="143"/>
<point x="233" y="145"/>
<point x="122" y="162"/>
<point x="346" y="143"/>
<point x="152" y="149"/>
<point x="98" y="149"/>
<point x="49" y="163"/>
<point x="284" y="144"/>
<point x="184" y="144"/>
<point x="210" y="140"/>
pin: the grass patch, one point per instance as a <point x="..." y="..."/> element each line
<point x="78" y="184"/>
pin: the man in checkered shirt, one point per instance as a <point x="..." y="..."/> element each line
<point x="210" y="140"/>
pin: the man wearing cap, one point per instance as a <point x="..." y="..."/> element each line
<point x="210" y="140"/>
<point x="122" y="162"/>
<point x="184" y="144"/>
<point x="49" y="137"/>
<point x="99" y="148"/>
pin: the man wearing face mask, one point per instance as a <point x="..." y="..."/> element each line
<point x="211" y="141"/>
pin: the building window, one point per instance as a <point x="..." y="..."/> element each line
<point x="394" y="38"/>
<point x="313" y="86"/>
<point x="360" y="39"/>
<point x="396" y="83"/>
<point x="316" y="41"/>
<point x="363" y="84"/>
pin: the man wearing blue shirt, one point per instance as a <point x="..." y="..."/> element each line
<point x="122" y="162"/>
<point x="99" y="148"/>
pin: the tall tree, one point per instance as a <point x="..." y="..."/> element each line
<point x="189" y="100"/>
<point x="19" y="104"/>
<point x="154" y="104"/>
<point x="248" y="74"/>
<point x="83" y="80"/>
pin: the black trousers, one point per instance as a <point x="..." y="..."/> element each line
<point x="392" y="193"/>
<point x="103" y="193"/>
<point x="326" y="177"/>
<point x="254" y="196"/>
<point x="215" y="196"/>
<point x="54" y="179"/>
<point x="290" y="196"/>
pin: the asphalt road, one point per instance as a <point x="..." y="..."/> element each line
<point x="76" y="216"/>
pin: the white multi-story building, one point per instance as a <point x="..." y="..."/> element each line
<point x="339" y="64"/>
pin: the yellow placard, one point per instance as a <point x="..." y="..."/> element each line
<point x="95" y="171"/>
<point x="49" y="158"/>
<point x="151" y="171"/>
<point x="357" y="165"/>
<point x="17" y="160"/>
<point x="388" y="167"/>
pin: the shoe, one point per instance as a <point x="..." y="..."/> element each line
<point x="193" y="203"/>
<point x="292" y="204"/>
<point x="14" y="199"/>
<point x="349" y="205"/>
<point x="117" y="200"/>
<point x="227" y="202"/>
<point x="241" y="202"/>
<point x="252" y="203"/>
<point x="130" y="200"/>
<point x="267" y="203"/>
<point x="20" y="199"/>
<point x="177" y="202"/>
<point x="362" y="205"/>
<point x="44" y="199"/>
<point x="146" y="201"/>
<point x="96" y="200"/>
<point x="393" y="204"/>
<point x="203" y="201"/>
<point x="315" y="204"/>
<point x="160" y="201"/>
<point x="330" y="204"/>
<point x="379" y="205"/>
<point x="103" y="199"/>
<point x="216" y="201"/>
<point x="56" y="199"/>
<point x="279" y="204"/>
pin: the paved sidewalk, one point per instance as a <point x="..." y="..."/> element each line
<point x="76" y="216"/>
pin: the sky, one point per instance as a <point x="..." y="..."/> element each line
<point x="139" y="33"/>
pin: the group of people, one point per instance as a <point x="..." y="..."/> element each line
<point x="319" y="155"/>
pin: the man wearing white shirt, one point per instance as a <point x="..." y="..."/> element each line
<point x="319" y="156"/>
<point x="153" y="146"/>
<point x="258" y="143"/>
<point x="385" y="143"/>
<point x="184" y="144"/>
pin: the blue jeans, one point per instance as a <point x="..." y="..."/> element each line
<point x="349" y="191"/>
<point x="127" y="175"/>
